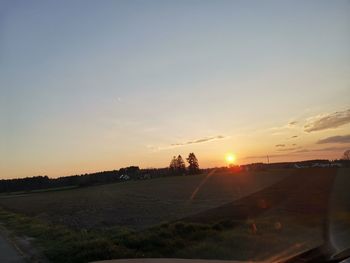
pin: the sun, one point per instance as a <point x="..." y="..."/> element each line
<point x="230" y="158"/>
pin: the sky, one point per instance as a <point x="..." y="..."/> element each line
<point x="98" y="85"/>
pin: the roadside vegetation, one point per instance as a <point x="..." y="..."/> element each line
<point x="226" y="239"/>
<point x="61" y="244"/>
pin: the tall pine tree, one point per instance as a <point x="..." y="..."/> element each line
<point x="173" y="165"/>
<point x="181" y="166"/>
<point x="193" y="166"/>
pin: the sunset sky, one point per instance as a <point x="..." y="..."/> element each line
<point x="98" y="85"/>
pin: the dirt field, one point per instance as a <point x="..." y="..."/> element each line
<point x="140" y="204"/>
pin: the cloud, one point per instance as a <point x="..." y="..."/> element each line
<point x="293" y="137"/>
<point x="289" y="126"/>
<point x="280" y="145"/>
<point x="327" y="149"/>
<point x="335" y="139"/>
<point x="205" y="139"/>
<point x="174" y="145"/>
<point x="288" y="149"/>
<point x="265" y="156"/>
<point x="303" y="151"/>
<point x="295" y="152"/>
<point x="328" y="121"/>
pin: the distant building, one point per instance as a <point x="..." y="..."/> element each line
<point x="124" y="177"/>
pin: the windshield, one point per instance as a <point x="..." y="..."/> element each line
<point x="174" y="129"/>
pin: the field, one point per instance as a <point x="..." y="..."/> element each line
<point x="139" y="204"/>
<point x="242" y="216"/>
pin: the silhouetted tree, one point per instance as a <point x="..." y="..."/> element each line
<point x="193" y="166"/>
<point x="181" y="167"/>
<point x="173" y="165"/>
<point x="346" y="155"/>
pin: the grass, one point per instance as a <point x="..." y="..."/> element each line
<point x="40" y="190"/>
<point x="220" y="240"/>
<point x="62" y="244"/>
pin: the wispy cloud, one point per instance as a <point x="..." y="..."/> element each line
<point x="288" y="126"/>
<point x="335" y="139"/>
<point x="280" y="145"/>
<point x="293" y="137"/>
<point x="328" y="121"/>
<point x="278" y="130"/>
<point x="303" y="151"/>
<point x="201" y="140"/>
<point x="264" y="156"/>
<point x="288" y="149"/>
<point x="174" y="145"/>
<point x="287" y="152"/>
<point x="327" y="149"/>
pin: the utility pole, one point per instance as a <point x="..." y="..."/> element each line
<point x="268" y="159"/>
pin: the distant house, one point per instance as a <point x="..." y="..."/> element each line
<point x="124" y="177"/>
<point x="336" y="165"/>
<point x="298" y="166"/>
<point x="318" y="165"/>
<point x="322" y="165"/>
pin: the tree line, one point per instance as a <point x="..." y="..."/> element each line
<point x="178" y="167"/>
<point x="44" y="182"/>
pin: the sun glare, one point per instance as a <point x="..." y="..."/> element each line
<point x="230" y="158"/>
